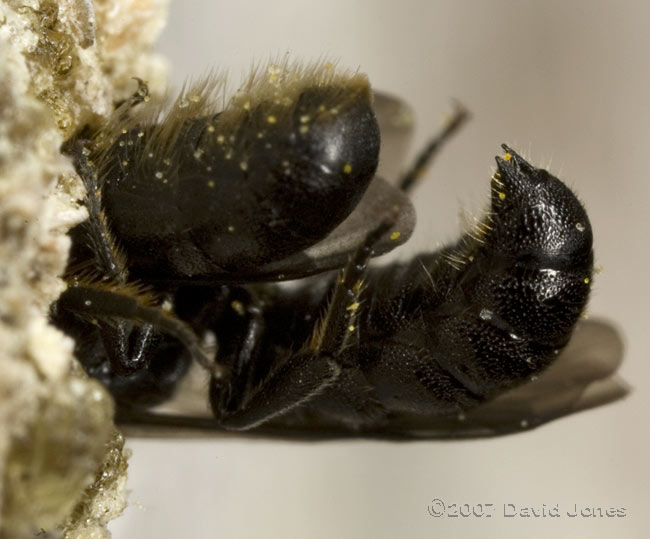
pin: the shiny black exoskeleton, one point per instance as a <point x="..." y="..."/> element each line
<point x="205" y="213"/>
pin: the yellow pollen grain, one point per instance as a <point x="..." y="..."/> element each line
<point x="271" y="119"/>
<point x="347" y="168"/>
<point x="304" y="129"/>
<point x="395" y="235"/>
<point x="502" y="196"/>
<point x="507" y="156"/>
<point x="124" y="163"/>
<point x="247" y="105"/>
<point x="231" y="228"/>
<point x="210" y="184"/>
<point x="351" y="328"/>
<point x="304" y="118"/>
<point x="587" y="280"/>
<point x="243" y="165"/>
<point x="220" y="139"/>
<point x="211" y="129"/>
<point x="238" y="307"/>
<point x="353" y="306"/>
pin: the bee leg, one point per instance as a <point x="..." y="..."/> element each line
<point x="426" y="155"/>
<point x="317" y="365"/>
<point x="104" y="304"/>
<point x="126" y="344"/>
<point x="246" y="357"/>
<point x="139" y="96"/>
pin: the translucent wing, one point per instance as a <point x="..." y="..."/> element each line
<point x="379" y="203"/>
<point x="396" y="124"/>
<point x="583" y="376"/>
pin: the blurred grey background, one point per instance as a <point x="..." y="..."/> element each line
<point x="568" y="84"/>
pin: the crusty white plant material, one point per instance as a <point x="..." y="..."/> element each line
<point x="62" y="64"/>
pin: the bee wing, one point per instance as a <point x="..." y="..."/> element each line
<point x="381" y="202"/>
<point x="377" y="205"/>
<point x="396" y="124"/>
<point x="582" y="377"/>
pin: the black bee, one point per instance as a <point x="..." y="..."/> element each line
<point x="193" y="215"/>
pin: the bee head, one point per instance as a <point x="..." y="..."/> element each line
<point x="535" y="212"/>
